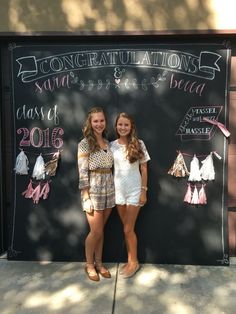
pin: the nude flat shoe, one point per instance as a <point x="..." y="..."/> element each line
<point x="121" y="271"/>
<point x="126" y="275"/>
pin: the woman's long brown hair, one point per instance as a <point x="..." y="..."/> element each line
<point x="134" y="150"/>
<point x="88" y="131"/>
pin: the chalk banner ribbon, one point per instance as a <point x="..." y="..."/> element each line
<point x="202" y="66"/>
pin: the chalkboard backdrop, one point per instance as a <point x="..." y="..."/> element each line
<point x="169" y="89"/>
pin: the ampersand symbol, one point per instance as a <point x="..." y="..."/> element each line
<point x="118" y="73"/>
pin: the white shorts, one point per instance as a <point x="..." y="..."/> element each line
<point x="124" y="196"/>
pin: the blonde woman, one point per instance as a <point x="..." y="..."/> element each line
<point x="96" y="183"/>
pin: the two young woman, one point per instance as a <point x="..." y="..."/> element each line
<point x="100" y="193"/>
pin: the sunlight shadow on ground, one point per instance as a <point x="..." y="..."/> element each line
<point x="176" y="289"/>
<point x="53" y="288"/>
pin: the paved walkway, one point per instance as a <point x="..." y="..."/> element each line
<point x="41" y="288"/>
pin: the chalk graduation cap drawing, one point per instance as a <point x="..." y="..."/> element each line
<point x="200" y="123"/>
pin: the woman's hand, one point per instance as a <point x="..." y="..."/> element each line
<point x="143" y="198"/>
<point x="88" y="206"/>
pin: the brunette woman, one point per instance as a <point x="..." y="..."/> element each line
<point x="130" y="177"/>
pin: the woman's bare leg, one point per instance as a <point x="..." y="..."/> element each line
<point x="99" y="247"/>
<point x="95" y="221"/>
<point x="128" y="215"/>
<point x="122" y="211"/>
<point x="130" y="235"/>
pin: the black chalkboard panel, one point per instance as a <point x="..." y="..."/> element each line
<point x="169" y="89"/>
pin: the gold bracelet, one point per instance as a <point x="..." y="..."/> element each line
<point x="144" y="188"/>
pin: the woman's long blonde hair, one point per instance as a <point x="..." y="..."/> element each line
<point x="134" y="150"/>
<point x="88" y="131"/>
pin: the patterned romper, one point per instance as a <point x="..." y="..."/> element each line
<point x="95" y="173"/>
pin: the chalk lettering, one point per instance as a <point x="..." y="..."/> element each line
<point x="186" y="121"/>
<point x="204" y="110"/>
<point x="53" y="115"/>
<point x="187" y="86"/>
<point x="190" y="131"/>
<point x="38" y="113"/>
<point x="35" y="113"/>
<point x="41" y="138"/>
<point x="53" y="83"/>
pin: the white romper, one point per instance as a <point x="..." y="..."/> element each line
<point x="127" y="175"/>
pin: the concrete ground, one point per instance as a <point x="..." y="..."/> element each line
<point x="33" y="288"/>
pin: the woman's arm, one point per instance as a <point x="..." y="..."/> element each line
<point x="83" y="167"/>
<point x="144" y="176"/>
